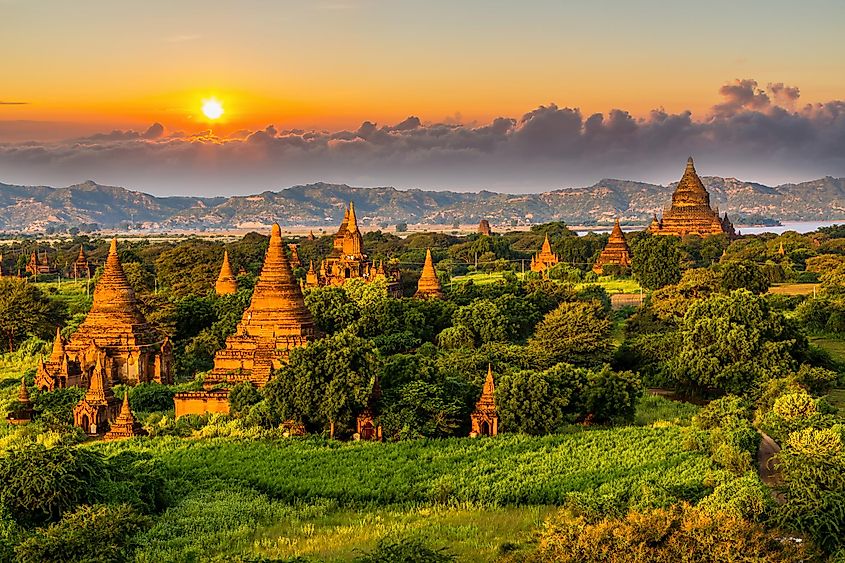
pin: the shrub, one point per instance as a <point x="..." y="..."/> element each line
<point x="55" y="408"/>
<point x="243" y="396"/>
<point x="149" y="397"/>
<point x="744" y="497"/>
<point x="101" y="533"/>
<point x="408" y="550"/>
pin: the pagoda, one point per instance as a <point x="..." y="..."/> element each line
<point x="226" y="283"/>
<point x="275" y="322"/>
<point x="367" y="426"/>
<point x="99" y="406"/>
<point x="114" y="333"/>
<point x="348" y="261"/>
<point x="23" y="413"/>
<point x="690" y="212"/>
<point x="428" y="286"/>
<point x="125" y="425"/>
<point x="544" y="259"/>
<point x="295" y="261"/>
<point x="81" y="268"/>
<point x="484" y="228"/>
<point x="616" y="253"/>
<point x="485" y="417"/>
<point x="38" y="265"/>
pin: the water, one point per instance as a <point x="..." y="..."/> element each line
<point x="797" y="226"/>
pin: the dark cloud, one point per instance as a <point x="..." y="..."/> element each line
<point x="4" y="103"/>
<point x="753" y="134"/>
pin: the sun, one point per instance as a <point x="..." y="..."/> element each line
<point x="212" y="108"/>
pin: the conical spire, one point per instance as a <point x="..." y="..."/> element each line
<point x="547" y="247"/>
<point x="616" y="252"/>
<point x="81" y="256"/>
<point x="489" y="385"/>
<point x="114" y="299"/>
<point x="99" y="390"/>
<point x="616" y="233"/>
<point x="226" y="283"/>
<point x="23" y="394"/>
<point x="353" y="220"/>
<point x="58" y="347"/>
<point x="429" y="285"/>
<point x="690" y="191"/>
<point x="277" y="307"/>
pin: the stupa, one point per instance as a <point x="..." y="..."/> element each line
<point x="544" y="259"/>
<point x="226" y="283"/>
<point x="99" y="406"/>
<point x="690" y="212"/>
<point x="616" y="252"/>
<point x="23" y="412"/>
<point x="295" y="261"/>
<point x="276" y="321"/>
<point x="81" y="268"/>
<point x="125" y="425"/>
<point x="38" y="265"/>
<point x="484" y="227"/>
<point x="114" y="333"/>
<point x="485" y="417"/>
<point x="347" y="260"/>
<point x="428" y="286"/>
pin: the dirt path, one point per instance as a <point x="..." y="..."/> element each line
<point x="768" y="448"/>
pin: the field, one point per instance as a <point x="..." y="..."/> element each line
<point x="332" y="500"/>
<point x="833" y="346"/>
<point x="794" y="288"/>
<point x="610" y="285"/>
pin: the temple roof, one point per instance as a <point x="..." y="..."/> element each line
<point x="226" y="283"/>
<point x="277" y="306"/>
<point x="114" y="299"/>
<point x="352" y="222"/>
<point x="99" y="389"/>
<point x="429" y="285"/>
<point x="23" y="394"/>
<point x="690" y="190"/>
<point x="58" y="347"/>
<point x="547" y="247"/>
<point x="617" y="234"/>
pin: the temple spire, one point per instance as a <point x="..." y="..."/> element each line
<point x="547" y="247"/>
<point x="428" y="285"/>
<point x="23" y="394"/>
<point x="58" y="346"/>
<point x="99" y="389"/>
<point x="489" y="385"/>
<point x="353" y="220"/>
<point x="226" y="283"/>
<point x="616" y="233"/>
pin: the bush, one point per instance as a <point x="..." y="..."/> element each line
<point x="150" y="397"/>
<point x="243" y="396"/>
<point x="611" y="396"/>
<point x="744" y="497"/>
<point x="409" y="550"/>
<point x="39" y="485"/>
<point x="55" y="408"/>
<point x="101" y="533"/>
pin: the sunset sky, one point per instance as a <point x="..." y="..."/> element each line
<point x="113" y="91"/>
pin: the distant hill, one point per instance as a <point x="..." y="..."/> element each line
<point x="34" y="208"/>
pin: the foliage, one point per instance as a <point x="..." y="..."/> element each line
<point x="147" y="397"/>
<point x="576" y="332"/>
<point x="723" y="428"/>
<point x="101" y="533"/>
<point x="25" y="311"/>
<point x="242" y="396"/>
<point x="55" y="408"/>
<point x="656" y="261"/>
<point x="406" y="550"/>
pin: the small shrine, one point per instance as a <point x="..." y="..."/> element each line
<point x="226" y="283"/>
<point x="295" y="261"/>
<point x="368" y="427"/>
<point x="616" y="253"/>
<point x="38" y="264"/>
<point x="428" y="286"/>
<point x="99" y="406"/>
<point x="23" y="411"/>
<point x="484" y="228"/>
<point x="81" y="268"/>
<point x="485" y="417"/>
<point x="125" y="425"/>
<point x="544" y="259"/>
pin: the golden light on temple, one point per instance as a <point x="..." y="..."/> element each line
<point x="212" y="108"/>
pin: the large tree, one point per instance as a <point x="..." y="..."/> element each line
<point x="656" y="261"/>
<point x="576" y="332"/>
<point x="25" y="311"/>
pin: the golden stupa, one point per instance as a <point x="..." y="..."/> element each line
<point x="615" y="253"/>
<point x="428" y="286"/>
<point x="226" y="283"/>
<point x="544" y="259"/>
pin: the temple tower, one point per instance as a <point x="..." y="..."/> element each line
<point x="23" y="412"/>
<point x="125" y="425"/>
<point x="485" y="417"/>
<point x="429" y="286"/>
<point x="99" y="406"/>
<point x="616" y="252"/>
<point x="544" y="259"/>
<point x="226" y="283"/>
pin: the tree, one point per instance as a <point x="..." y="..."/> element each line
<point x="243" y="396"/>
<point x="331" y="308"/>
<point x="576" y="332"/>
<point x="656" y="261"/>
<point x="733" y="343"/>
<point x="744" y="274"/>
<point x="25" y="311"/>
<point x="533" y="402"/>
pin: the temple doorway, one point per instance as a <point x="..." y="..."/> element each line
<point x="484" y="429"/>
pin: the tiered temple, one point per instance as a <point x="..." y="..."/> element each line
<point x="348" y="261"/>
<point x="428" y="286"/>
<point x="99" y="406"/>
<point x="485" y="417"/>
<point x="81" y="268"/>
<point x="38" y="264"/>
<point x="115" y="334"/>
<point x="544" y="259"/>
<point x="616" y="253"/>
<point x="125" y="425"/>
<point x="226" y="283"/>
<point x="690" y="212"/>
<point x="276" y="321"/>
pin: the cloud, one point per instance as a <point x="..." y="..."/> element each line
<point x="755" y="134"/>
<point x="5" y="103"/>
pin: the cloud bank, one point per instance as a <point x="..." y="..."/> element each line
<point x="755" y="133"/>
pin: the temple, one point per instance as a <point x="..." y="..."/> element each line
<point x="275" y="322"/>
<point x="484" y="227"/>
<point x="616" y="253"/>
<point x="23" y="410"/>
<point x="38" y="265"/>
<point x="367" y="426"/>
<point x="544" y="259"/>
<point x="115" y="334"/>
<point x="125" y="425"/>
<point x="485" y="417"/>
<point x="690" y="212"/>
<point x="348" y="261"/>
<point x="428" y="286"/>
<point x="99" y="406"/>
<point x="295" y="261"/>
<point x="81" y="268"/>
<point x="226" y="283"/>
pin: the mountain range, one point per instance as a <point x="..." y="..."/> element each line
<point x="33" y="209"/>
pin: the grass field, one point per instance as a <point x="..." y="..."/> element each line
<point x="833" y="346"/>
<point x="610" y="285"/>
<point x="794" y="288"/>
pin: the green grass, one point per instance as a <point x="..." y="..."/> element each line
<point x="653" y="409"/>
<point x="833" y="346"/>
<point x="836" y="397"/>
<point x="480" y="278"/>
<point x="612" y="285"/>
